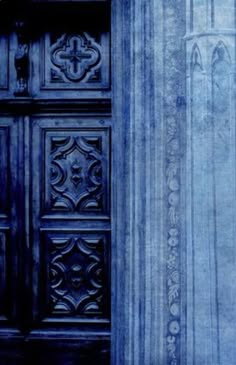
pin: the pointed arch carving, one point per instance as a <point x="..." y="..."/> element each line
<point x="221" y="97"/>
<point x="197" y="87"/>
<point x="196" y="59"/>
<point x="221" y="53"/>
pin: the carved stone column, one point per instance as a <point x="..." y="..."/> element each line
<point x="148" y="65"/>
<point x="210" y="183"/>
<point x="139" y="234"/>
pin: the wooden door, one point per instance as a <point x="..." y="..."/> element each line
<point x="55" y="180"/>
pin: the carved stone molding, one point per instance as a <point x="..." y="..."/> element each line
<point x="174" y="112"/>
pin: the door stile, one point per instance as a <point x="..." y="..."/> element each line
<point x="26" y="303"/>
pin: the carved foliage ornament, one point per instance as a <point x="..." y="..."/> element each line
<point x="173" y="264"/>
<point x="173" y="259"/>
<point x="76" y="57"/>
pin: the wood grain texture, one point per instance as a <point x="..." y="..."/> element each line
<point x="55" y="205"/>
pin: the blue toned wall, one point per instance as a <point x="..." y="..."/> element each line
<point x="210" y="183"/>
<point x="172" y="218"/>
<point x="176" y="109"/>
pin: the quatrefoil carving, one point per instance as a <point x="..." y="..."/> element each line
<point x="76" y="56"/>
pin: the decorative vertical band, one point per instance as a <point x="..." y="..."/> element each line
<point x="173" y="107"/>
<point x="173" y="242"/>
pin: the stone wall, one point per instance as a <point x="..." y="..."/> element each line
<point x="210" y="183"/>
<point x="175" y="113"/>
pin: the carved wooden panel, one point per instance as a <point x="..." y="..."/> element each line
<point x="77" y="273"/>
<point x="76" y="170"/>
<point x="75" y="61"/>
<point x="71" y="219"/>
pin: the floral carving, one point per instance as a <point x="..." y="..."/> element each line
<point x="173" y="262"/>
<point x="174" y="102"/>
<point x="75" y="57"/>
<point x="78" y="274"/>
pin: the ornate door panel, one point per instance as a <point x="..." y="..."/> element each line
<point x="74" y="58"/>
<point x="71" y="205"/>
<point x="55" y="178"/>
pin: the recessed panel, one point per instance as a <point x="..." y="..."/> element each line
<point x="75" y="60"/>
<point x="76" y="171"/>
<point x="76" y="269"/>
